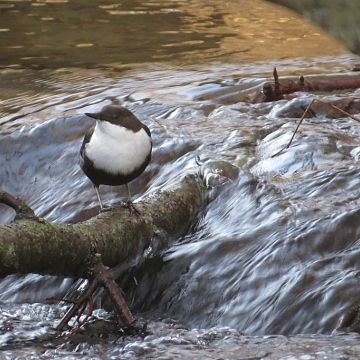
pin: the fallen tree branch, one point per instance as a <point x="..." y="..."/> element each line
<point x="278" y="90"/>
<point x="30" y="244"/>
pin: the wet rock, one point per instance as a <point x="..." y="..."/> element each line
<point x="218" y="172"/>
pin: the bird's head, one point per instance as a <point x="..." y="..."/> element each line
<point x="117" y="115"/>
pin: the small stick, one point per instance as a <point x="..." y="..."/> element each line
<point x="276" y="83"/>
<point x="103" y="276"/>
<point x="304" y="114"/>
<point x="341" y="111"/>
<point x="297" y="127"/>
<point x="83" y="307"/>
<point x="78" y="305"/>
<point x="107" y="280"/>
<point x="89" y="313"/>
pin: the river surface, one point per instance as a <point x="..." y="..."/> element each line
<point x="274" y="254"/>
<point x="340" y="18"/>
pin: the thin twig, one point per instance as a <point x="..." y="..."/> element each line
<point x="296" y="129"/>
<point x="106" y="278"/>
<point x="276" y="82"/>
<point x="341" y="111"/>
<point x="308" y="110"/>
<point x="81" y="311"/>
<point x="103" y="276"/>
<point x="78" y="305"/>
<point x="89" y="313"/>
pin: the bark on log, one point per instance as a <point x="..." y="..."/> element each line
<point x="31" y="244"/>
<point x="277" y="90"/>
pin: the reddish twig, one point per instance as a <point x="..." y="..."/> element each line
<point x="276" y="83"/>
<point x="103" y="276"/>
<point x="81" y="311"/>
<point x="106" y="278"/>
<point x="78" y="305"/>
<point x="89" y="313"/>
<point x="279" y="89"/>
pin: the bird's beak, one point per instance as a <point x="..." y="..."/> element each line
<point x="93" y="115"/>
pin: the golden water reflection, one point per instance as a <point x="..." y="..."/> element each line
<point x="57" y="33"/>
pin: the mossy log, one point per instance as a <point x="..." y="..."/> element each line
<point x="31" y="244"/>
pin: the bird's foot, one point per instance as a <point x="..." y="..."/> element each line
<point x="106" y="208"/>
<point x="132" y="208"/>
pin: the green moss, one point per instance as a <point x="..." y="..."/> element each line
<point x="8" y="258"/>
<point x="34" y="245"/>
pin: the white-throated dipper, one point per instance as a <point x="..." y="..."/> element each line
<point x="116" y="150"/>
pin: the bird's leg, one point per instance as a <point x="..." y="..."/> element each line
<point x="102" y="207"/>
<point x="129" y="193"/>
<point x="129" y="204"/>
<point x="98" y="196"/>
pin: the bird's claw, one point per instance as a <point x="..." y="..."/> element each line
<point x="106" y="208"/>
<point x="132" y="208"/>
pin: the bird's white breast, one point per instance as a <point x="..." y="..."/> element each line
<point x="117" y="150"/>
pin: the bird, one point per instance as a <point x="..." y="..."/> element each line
<point x="116" y="151"/>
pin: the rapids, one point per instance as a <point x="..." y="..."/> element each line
<point x="274" y="253"/>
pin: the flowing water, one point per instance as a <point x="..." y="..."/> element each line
<point x="273" y="254"/>
<point x="340" y="18"/>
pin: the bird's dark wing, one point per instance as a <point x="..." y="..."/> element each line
<point x="146" y="129"/>
<point x="87" y="138"/>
